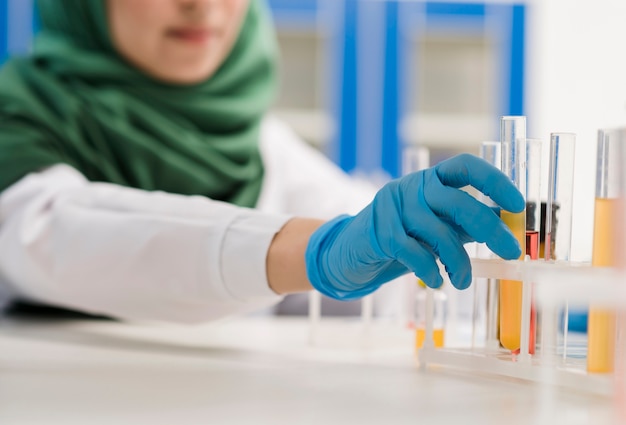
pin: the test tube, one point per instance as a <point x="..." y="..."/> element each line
<point x="437" y="313"/>
<point x="534" y="148"/>
<point x="620" y="343"/>
<point x="558" y="217"/>
<point x="491" y="152"/>
<point x="513" y="141"/>
<point x="414" y="158"/>
<point x="608" y="204"/>
<point x="558" y="214"/>
<point x="533" y="196"/>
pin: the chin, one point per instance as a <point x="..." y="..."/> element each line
<point x="187" y="74"/>
<point x="184" y="78"/>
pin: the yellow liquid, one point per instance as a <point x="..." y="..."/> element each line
<point x="605" y="243"/>
<point x="420" y="335"/>
<point x="601" y="348"/>
<point x="601" y="325"/>
<point x="511" y="290"/>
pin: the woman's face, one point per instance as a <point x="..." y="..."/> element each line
<point x="176" y="41"/>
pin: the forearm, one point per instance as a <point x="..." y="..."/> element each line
<point x="133" y="254"/>
<point x="286" y="267"/>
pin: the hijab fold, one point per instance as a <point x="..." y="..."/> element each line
<point x="74" y="100"/>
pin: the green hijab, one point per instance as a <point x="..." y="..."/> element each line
<point x="74" y="100"/>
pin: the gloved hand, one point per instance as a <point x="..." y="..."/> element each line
<point x="411" y="222"/>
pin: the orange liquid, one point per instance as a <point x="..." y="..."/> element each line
<point x="420" y="335"/>
<point x="605" y="223"/>
<point x="601" y="325"/>
<point x="511" y="290"/>
<point x="601" y="348"/>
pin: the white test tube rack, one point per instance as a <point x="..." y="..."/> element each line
<point x="551" y="284"/>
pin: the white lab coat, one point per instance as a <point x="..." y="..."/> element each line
<point x="107" y="249"/>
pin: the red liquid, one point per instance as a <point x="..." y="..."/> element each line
<point x="532" y="244"/>
<point x="532" y="250"/>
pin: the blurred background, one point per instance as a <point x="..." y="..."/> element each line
<point x="362" y="79"/>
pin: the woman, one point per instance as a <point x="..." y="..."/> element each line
<point x="141" y="180"/>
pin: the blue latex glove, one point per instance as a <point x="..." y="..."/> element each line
<point x="411" y="222"/>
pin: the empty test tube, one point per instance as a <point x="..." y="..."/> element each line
<point x="558" y="216"/>
<point x="560" y="195"/>
<point x="490" y="151"/>
<point x="414" y="158"/>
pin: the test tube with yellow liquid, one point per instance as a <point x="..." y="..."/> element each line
<point x="606" y="249"/>
<point x="513" y="143"/>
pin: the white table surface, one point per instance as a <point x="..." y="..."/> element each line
<point x="257" y="370"/>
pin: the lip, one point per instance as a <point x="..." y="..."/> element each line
<point x="192" y="35"/>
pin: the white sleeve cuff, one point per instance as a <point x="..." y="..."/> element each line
<point x="244" y="255"/>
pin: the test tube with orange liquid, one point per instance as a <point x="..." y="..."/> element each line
<point x="438" y="315"/>
<point x="513" y="142"/>
<point x="606" y="245"/>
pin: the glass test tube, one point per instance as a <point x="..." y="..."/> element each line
<point x="513" y="141"/>
<point x="414" y="158"/>
<point x="609" y="196"/>
<point x="534" y="148"/>
<point x="557" y="214"/>
<point x="491" y="152"/>
<point x="620" y="343"/>
<point x="533" y="196"/>
<point x="438" y="312"/>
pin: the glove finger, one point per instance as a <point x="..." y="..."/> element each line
<point x="420" y="260"/>
<point x="446" y="244"/>
<point x="466" y="169"/>
<point x="463" y="236"/>
<point x="392" y="270"/>
<point x="478" y="220"/>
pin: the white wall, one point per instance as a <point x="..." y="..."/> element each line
<point x="577" y="83"/>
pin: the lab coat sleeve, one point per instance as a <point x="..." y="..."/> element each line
<point x="302" y="181"/>
<point x="133" y="254"/>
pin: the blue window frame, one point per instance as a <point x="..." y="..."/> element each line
<point x="366" y="73"/>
